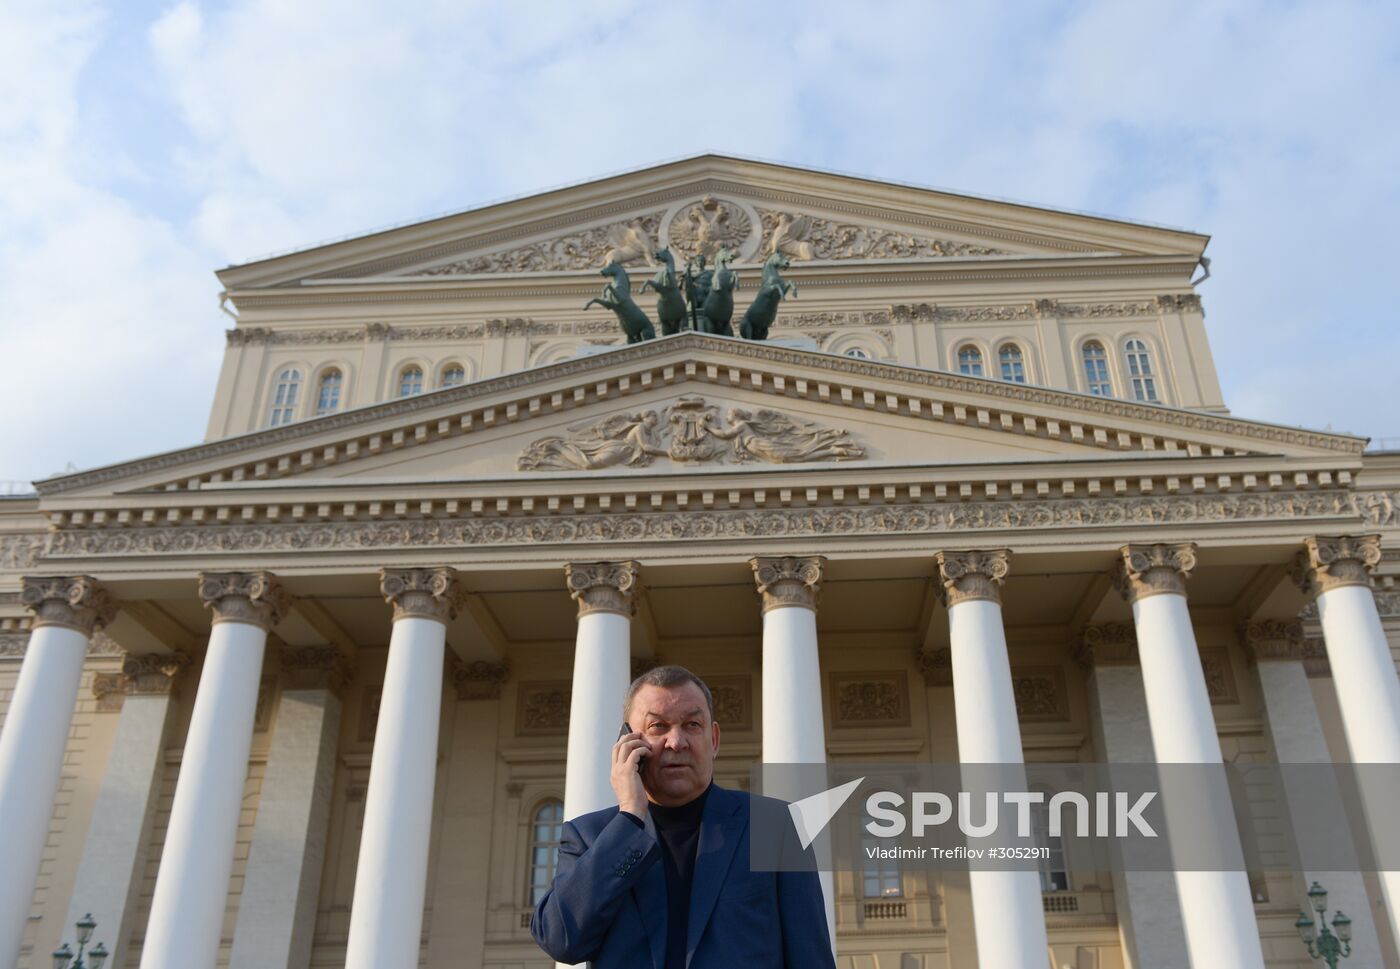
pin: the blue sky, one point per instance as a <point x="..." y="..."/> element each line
<point x="143" y="145"/>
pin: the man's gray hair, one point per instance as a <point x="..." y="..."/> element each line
<point x="668" y="677"/>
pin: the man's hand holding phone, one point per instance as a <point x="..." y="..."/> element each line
<point x="629" y="753"/>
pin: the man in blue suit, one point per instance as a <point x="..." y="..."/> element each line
<point x="662" y="881"/>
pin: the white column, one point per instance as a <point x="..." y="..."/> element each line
<point x="606" y="595"/>
<point x="1007" y="911"/>
<point x="114" y="851"/>
<point x="187" y="912"/>
<point x="1216" y="906"/>
<point x="794" y="730"/>
<point x="386" y="915"/>
<point x="1149" y="914"/>
<point x="277" y="908"/>
<point x="1337" y="570"/>
<point x="1276" y="647"/>
<point x="35" y="733"/>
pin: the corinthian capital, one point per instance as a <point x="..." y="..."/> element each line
<point x="788" y="581"/>
<point x="1273" y="639"/>
<point x="256" y="598"/>
<point x="970" y="576"/>
<point x="1332" y="561"/>
<point x="314" y="668"/>
<point x="1151" y="570"/>
<point x="603" y="586"/>
<point x="1107" y="644"/>
<point x="422" y="593"/>
<point x="75" y="602"/>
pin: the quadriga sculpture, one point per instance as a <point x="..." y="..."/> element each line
<point x="719" y="304"/>
<point x="670" y="302"/>
<point x="760" y="315"/>
<point x="617" y="296"/>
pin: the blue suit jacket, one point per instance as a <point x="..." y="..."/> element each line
<point x="607" y="904"/>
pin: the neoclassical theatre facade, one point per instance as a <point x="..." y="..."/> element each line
<point x="320" y="690"/>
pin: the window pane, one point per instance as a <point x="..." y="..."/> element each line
<point x="453" y="374"/>
<point x="1096" y="370"/>
<point x="858" y="353"/>
<point x="970" y="361"/>
<point x="544" y="847"/>
<point x="1144" y="385"/>
<point x="411" y="382"/>
<point x="284" y="397"/>
<point x="1013" y="366"/>
<point x="328" y="394"/>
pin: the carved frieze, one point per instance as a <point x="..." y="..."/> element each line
<point x="812" y="237"/>
<point x="869" y="699"/>
<point x="628" y="241"/>
<point x="1220" y="675"/>
<point x="1107" y="644"/>
<point x="542" y="708"/>
<point x="692" y="432"/>
<point x="479" y="679"/>
<point x="974" y="575"/>
<point x="603" y="586"/>
<point x="256" y="598"/>
<point x="936" y="666"/>
<point x="1149" y="570"/>
<point x="75" y="602"/>
<point x="20" y="551"/>
<point x="733" y="696"/>
<point x="788" y="581"/>
<point x="1272" y="639"/>
<point x="709" y="225"/>
<point x="1331" y="562"/>
<point x="422" y="593"/>
<point x="1040" y="693"/>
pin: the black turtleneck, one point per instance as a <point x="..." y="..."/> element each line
<point x="679" y="830"/>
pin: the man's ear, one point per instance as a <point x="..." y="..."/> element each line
<point x="714" y="735"/>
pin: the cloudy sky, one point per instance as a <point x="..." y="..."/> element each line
<point x="143" y="145"/>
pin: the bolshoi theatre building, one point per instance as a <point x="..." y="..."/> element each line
<point x="321" y="690"/>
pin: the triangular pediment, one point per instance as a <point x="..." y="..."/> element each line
<point x="699" y="204"/>
<point x="696" y="405"/>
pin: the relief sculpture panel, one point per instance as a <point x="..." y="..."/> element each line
<point x="627" y="242"/>
<point x="811" y="237"/>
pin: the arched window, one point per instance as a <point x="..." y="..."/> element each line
<point x="1054" y="876"/>
<point x="880" y="877"/>
<point x="545" y="828"/>
<point x="410" y="381"/>
<point x="1140" y="376"/>
<point x="970" y="361"/>
<point x="1013" y="363"/>
<point x="452" y="375"/>
<point x="328" y="392"/>
<point x="284" y="398"/>
<point x="1096" y="369"/>
<point x="858" y="353"/>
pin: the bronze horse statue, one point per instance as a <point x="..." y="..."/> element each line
<point x="696" y="279"/>
<point x="760" y="315"/>
<point x="617" y="296"/>
<point x="719" y="304"/>
<point x="670" y="303"/>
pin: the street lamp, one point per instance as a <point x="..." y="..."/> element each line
<point x="96" y="958"/>
<point x="1325" y="946"/>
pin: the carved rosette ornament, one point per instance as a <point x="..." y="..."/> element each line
<point x="1107" y="644"/>
<point x="422" y="593"/>
<point x="788" y="581"/>
<point x="314" y="668"/>
<point x="1331" y="562"/>
<point x="256" y="598"/>
<point x="76" y="602"/>
<point x="974" y="575"/>
<point x="1273" y="639"/>
<point x="478" y="680"/>
<point x="1151" y="570"/>
<point x="604" y="587"/>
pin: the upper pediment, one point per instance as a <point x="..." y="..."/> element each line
<point x="698" y="205"/>
<point x="691" y="404"/>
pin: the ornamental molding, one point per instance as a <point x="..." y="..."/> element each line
<point x="989" y="394"/>
<point x="710" y="224"/>
<point x="802" y="236"/>
<point x="76" y="602"/>
<point x="868" y="698"/>
<point x="788" y="581"/>
<point x="936" y="665"/>
<point x="20" y="551"/>
<point x="477" y="680"/>
<point x="314" y="668"/>
<point x="690" y="431"/>
<point x="972" y="576"/>
<point x="1332" y="562"/>
<point x="1042" y="308"/>
<point x="692" y="525"/>
<point x="1149" y="570"/>
<point x="435" y="594"/>
<point x="1106" y="644"/>
<point x="256" y="598"/>
<point x="1273" y="640"/>
<point x="628" y="241"/>
<point x="142" y="674"/>
<point x="603" y="587"/>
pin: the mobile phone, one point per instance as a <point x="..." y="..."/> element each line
<point x="626" y="729"/>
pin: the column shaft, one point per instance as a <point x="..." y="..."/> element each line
<point x="386" y="918"/>
<point x="602" y="673"/>
<point x="187" y="912"/>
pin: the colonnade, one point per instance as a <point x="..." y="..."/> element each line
<point x="187" y="912"/>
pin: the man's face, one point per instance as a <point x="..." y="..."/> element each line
<point x="676" y="724"/>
